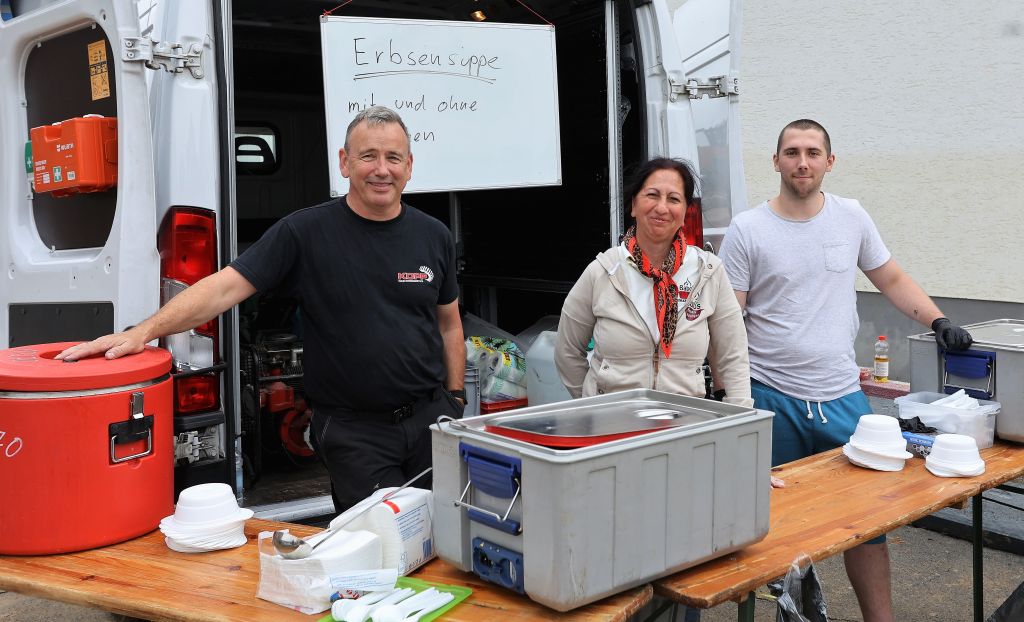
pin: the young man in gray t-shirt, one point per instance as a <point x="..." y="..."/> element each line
<point x="792" y="261"/>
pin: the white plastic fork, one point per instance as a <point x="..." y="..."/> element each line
<point x="442" y="599"/>
<point x="340" y="608"/>
<point x="360" y="613"/>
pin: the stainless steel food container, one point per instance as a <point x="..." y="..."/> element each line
<point x="570" y="526"/>
<point x="992" y="369"/>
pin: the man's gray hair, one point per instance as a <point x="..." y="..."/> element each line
<point x="376" y="115"/>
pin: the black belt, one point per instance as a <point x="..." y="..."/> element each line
<point x="393" y="416"/>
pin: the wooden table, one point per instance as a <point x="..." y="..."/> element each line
<point x="829" y="506"/>
<point x="145" y="579"/>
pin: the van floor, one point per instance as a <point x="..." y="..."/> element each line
<point x="280" y="485"/>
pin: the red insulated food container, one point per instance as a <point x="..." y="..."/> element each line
<point x="86" y="449"/>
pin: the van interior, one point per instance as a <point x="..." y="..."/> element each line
<point x="520" y="250"/>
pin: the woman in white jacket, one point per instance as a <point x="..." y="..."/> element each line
<point x="654" y="306"/>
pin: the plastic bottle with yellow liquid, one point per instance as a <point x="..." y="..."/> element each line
<point x="880" y="372"/>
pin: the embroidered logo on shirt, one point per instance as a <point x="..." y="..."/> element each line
<point x="425" y="275"/>
<point x="693" y="310"/>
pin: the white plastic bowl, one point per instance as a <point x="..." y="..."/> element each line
<point x="956" y="454"/>
<point x="879" y="433"/>
<point x="205" y="504"/>
<point x="870" y="460"/>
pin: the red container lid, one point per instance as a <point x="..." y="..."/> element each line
<point x="487" y="407"/>
<point x="33" y="368"/>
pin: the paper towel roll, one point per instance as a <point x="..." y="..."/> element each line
<point x="403" y="523"/>
<point x="477" y="352"/>
<point x="500" y="389"/>
<point x="507" y="367"/>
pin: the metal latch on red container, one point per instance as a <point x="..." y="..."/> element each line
<point x="139" y="426"/>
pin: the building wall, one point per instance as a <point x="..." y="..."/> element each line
<point x="925" y="105"/>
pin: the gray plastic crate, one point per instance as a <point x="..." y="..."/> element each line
<point x="596" y="520"/>
<point x="995" y="374"/>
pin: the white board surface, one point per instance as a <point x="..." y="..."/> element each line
<point x="480" y="100"/>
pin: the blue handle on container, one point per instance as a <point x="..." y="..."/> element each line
<point x="491" y="472"/>
<point x="509" y="525"/>
<point x="969" y="364"/>
<point x="496" y="475"/>
<point x="973" y="364"/>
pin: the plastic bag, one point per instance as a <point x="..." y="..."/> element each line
<point x="351" y="562"/>
<point x="800" y="597"/>
<point x="1013" y="609"/>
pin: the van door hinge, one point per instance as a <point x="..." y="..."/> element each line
<point x="718" y="86"/>
<point x="172" y="57"/>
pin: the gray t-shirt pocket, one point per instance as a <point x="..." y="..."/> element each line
<point x="837" y="257"/>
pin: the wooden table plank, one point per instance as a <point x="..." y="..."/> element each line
<point x="827" y="507"/>
<point x="143" y="578"/>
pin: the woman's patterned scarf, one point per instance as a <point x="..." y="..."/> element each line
<point x="666" y="292"/>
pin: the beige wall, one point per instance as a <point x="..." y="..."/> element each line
<point x="925" y="104"/>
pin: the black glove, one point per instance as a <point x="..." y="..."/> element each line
<point x="950" y="337"/>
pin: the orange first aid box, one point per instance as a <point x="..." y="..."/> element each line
<point x="77" y="155"/>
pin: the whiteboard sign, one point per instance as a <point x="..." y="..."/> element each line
<point x="480" y="100"/>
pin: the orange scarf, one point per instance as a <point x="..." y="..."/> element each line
<point x="666" y="292"/>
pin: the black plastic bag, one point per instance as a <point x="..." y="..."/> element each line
<point x="1013" y="609"/>
<point x="800" y="597"/>
<point x="914" y="425"/>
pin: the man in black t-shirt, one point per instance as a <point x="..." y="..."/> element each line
<point x="384" y="349"/>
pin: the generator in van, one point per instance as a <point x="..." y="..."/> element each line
<point x="145" y="144"/>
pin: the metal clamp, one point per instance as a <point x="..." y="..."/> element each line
<point x="712" y="88"/>
<point x="514" y="526"/>
<point x="132" y="428"/>
<point x="171" y="56"/>
<point x="149" y="449"/>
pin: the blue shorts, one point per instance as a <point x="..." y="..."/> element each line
<point x="801" y="428"/>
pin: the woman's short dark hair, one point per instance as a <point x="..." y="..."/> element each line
<point x="648" y="168"/>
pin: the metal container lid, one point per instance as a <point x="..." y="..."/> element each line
<point x="33" y="368"/>
<point x="572" y="426"/>
<point x="998" y="333"/>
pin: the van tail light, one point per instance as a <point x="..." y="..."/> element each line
<point x="188" y="252"/>
<point x="199" y="393"/>
<point x="693" y="224"/>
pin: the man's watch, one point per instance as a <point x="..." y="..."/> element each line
<point x="459" y="393"/>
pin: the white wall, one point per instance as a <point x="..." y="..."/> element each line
<point x="924" y="102"/>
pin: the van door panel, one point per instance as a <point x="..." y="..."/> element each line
<point x="120" y="268"/>
<point x="708" y="35"/>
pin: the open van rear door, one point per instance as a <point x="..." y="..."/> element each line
<point x="708" y="35"/>
<point x="76" y="263"/>
<point x="690" y="65"/>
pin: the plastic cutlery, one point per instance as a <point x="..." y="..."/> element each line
<point x="443" y="599"/>
<point x="360" y="613"/>
<point x="396" y="612"/>
<point x="340" y="608"/>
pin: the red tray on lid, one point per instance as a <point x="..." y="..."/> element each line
<point x="573" y="427"/>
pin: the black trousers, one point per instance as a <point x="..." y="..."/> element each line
<point x="367" y="451"/>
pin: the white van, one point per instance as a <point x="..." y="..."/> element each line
<point x="220" y="131"/>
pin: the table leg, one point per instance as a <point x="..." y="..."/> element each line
<point x="979" y="547"/>
<point x="745" y="609"/>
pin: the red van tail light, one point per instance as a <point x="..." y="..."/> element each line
<point x="193" y="394"/>
<point x="693" y="224"/>
<point x="188" y="252"/>
<point x="188" y="245"/>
